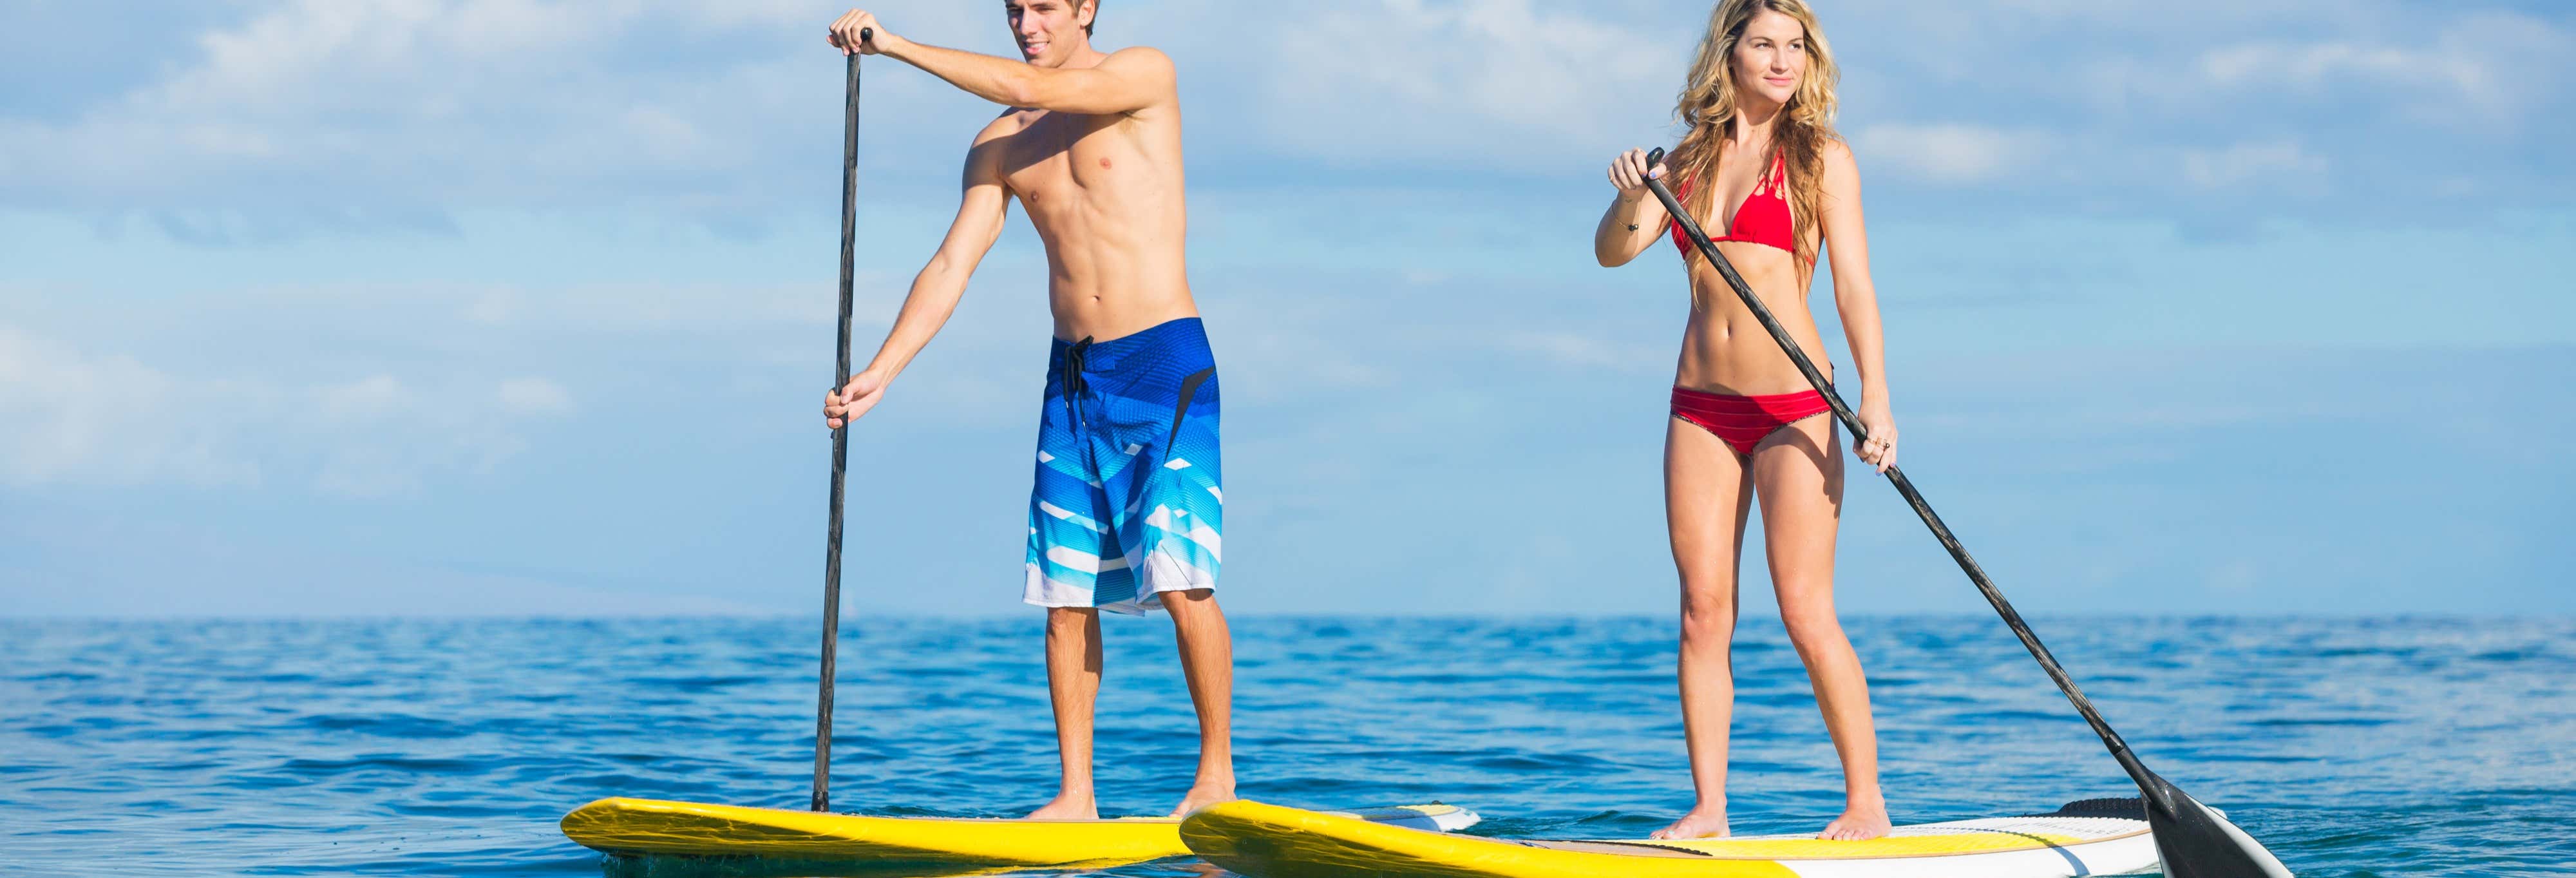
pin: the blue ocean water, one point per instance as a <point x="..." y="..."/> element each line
<point x="2352" y="747"/>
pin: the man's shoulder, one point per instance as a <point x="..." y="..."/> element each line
<point x="1140" y="59"/>
<point x="1008" y="123"/>
<point x="1149" y="78"/>
<point x="1141" y="55"/>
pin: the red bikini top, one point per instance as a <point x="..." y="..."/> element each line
<point x="1762" y="219"/>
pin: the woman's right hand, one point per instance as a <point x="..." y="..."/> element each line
<point x="845" y="405"/>
<point x="1630" y="173"/>
<point x="1619" y="237"/>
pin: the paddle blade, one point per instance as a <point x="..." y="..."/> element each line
<point x="2196" y="841"/>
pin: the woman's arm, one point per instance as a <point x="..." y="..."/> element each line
<point x="1847" y="246"/>
<point x="1635" y="218"/>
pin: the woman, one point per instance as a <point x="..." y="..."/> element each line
<point x="1763" y="171"/>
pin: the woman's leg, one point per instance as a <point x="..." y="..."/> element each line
<point x="1799" y="477"/>
<point x="1705" y="492"/>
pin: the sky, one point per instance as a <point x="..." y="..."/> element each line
<point x="506" y="307"/>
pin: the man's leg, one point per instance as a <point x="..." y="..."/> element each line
<point x="1073" y="684"/>
<point x="1207" y="662"/>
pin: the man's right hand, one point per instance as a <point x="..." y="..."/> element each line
<point x="854" y="399"/>
<point x="845" y="33"/>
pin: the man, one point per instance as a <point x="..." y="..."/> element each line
<point x="1126" y="511"/>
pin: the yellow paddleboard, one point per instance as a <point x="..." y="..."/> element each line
<point x="1268" y="841"/>
<point x="647" y="826"/>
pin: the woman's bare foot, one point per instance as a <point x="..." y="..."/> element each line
<point x="1068" y="806"/>
<point x="1205" y="793"/>
<point x="1702" y="822"/>
<point x="1860" y="822"/>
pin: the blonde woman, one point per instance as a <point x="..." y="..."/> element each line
<point x="1762" y="169"/>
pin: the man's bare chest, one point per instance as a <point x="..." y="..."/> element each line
<point x="1055" y="156"/>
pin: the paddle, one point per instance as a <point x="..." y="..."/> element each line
<point x="840" y="437"/>
<point x="2194" y="840"/>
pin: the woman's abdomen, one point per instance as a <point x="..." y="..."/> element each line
<point x="1726" y="350"/>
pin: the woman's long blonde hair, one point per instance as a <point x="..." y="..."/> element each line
<point x="1707" y="105"/>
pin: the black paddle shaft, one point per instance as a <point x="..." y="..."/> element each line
<point x="2156" y="788"/>
<point x="840" y="440"/>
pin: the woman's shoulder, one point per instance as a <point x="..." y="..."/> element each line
<point x="1833" y="149"/>
<point x="1834" y="157"/>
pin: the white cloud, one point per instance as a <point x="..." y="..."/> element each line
<point x="396" y="114"/>
<point x="534" y="396"/>
<point x="2274" y="165"/>
<point x="1488" y="83"/>
<point x="306" y="108"/>
<point x="314" y="106"/>
<point x="365" y="400"/>
<point x="2316" y="64"/>
<point x="2491" y="64"/>
<point x="2120" y="92"/>
<point x="69" y="415"/>
<point x="1947" y="153"/>
<point x="2455" y="78"/>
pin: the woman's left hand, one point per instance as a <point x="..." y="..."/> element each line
<point x="1879" y="448"/>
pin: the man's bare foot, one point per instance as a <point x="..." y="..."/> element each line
<point x="1858" y="823"/>
<point x="1068" y="806"/>
<point x="1699" y="823"/>
<point x="1205" y="793"/>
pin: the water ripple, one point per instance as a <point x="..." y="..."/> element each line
<point x="2414" y="746"/>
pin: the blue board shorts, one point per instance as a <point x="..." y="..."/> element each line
<point x="1127" y="503"/>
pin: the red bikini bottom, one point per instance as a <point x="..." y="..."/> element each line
<point x="1743" y="421"/>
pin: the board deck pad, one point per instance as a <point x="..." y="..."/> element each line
<point x="637" y="827"/>
<point x="2094" y="837"/>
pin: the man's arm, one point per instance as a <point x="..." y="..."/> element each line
<point x="1129" y="80"/>
<point x="941" y="283"/>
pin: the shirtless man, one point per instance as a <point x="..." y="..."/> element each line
<point x="1127" y="507"/>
